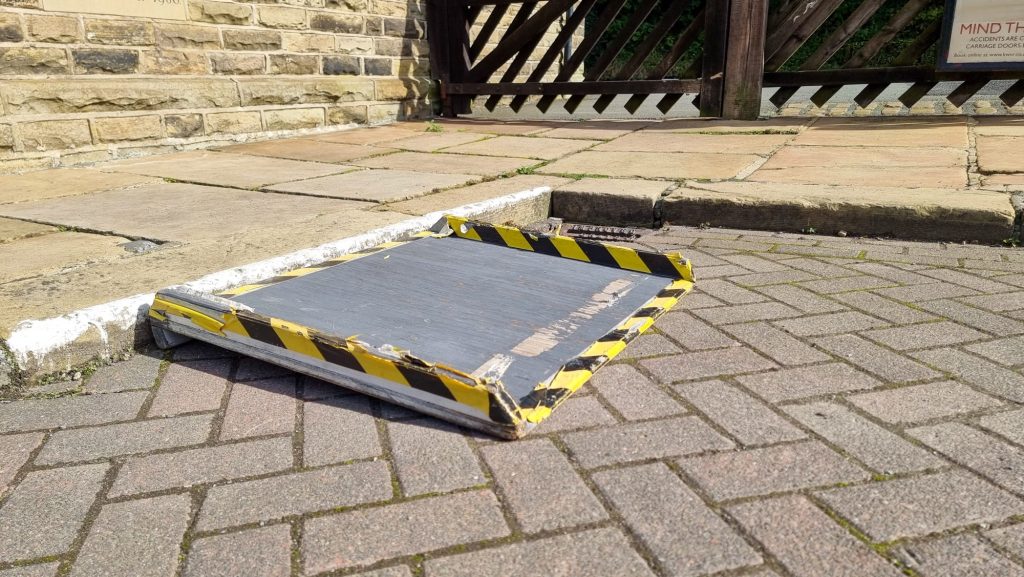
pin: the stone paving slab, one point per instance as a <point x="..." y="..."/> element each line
<point x="444" y="163"/>
<point x="54" y="252"/>
<point x="523" y="147"/>
<point x="224" y="169"/>
<point x="653" y="165"/>
<point x="660" y="141"/>
<point x="386" y="185"/>
<point x="63" y="182"/>
<point x="11" y="229"/>
<point x="307" y="150"/>
<point x="871" y="457"/>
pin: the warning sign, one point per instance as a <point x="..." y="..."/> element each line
<point x="983" y="34"/>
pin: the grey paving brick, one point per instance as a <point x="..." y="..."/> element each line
<point x="138" y="372"/>
<point x="770" y="470"/>
<point x="746" y="313"/>
<point x="999" y="325"/>
<point x="649" y="344"/>
<point x="802" y="299"/>
<point x="917" y="403"/>
<point x="203" y="465"/>
<point x="684" y="535"/>
<point x="776" y="344"/>
<point x="706" y="364"/>
<point x="596" y="553"/>
<point x="926" y="292"/>
<point x="755" y="263"/>
<point x="819" y="251"/>
<point x="958" y="556"/>
<point x="692" y="333"/>
<point x="806" y="541"/>
<point x="576" y="413"/>
<point x="820" y="268"/>
<point x="847" y="284"/>
<point x="367" y="536"/>
<point x="338" y="430"/>
<point x="396" y="571"/>
<point x="191" y="387"/>
<point x="15" y="451"/>
<point x="893" y="367"/>
<point x="999" y="303"/>
<point x="70" y="411"/>
<point x="527" y="469"/>
<point x="124" y="439"/>
<point x="1008" y="351"/>
<point x="913" y="258"/>
<point x="976" y="371"/>
<point x="637" y="441"/>
<point x="257" y="408"/>
<point x="709" y="273"/>
<point x="141" y="537"/>
<point x="315" y="389"/>
<point x="875" y="446"/>
<point x="925" y="335"/>
<point x="744" y="245"/>
<point x="633" y="395"/>
<point x="1009" y="424"/>
<point x="262" y="552"/>
<point x="250" y="369"/>
<point x="922" y="505"/>
<point x="1010" y="538"/>
<point x="41" y="517"/>
<point x="884" y="308"/>
<point x="891" y="273"/>
<point x="968" y="280"/>
<point x="772" y="278"/>
<point x="745" y="418"/>
<point x="282" y="496"/>
<point x="729" y="293"/>
<point x="698" y="300"/>
<point x="432" y="457"/>
<point x="803" y="382"/>
<point x="997" y="461"/>
<point x="41" y="570"/>
<point x="830" y="324"/>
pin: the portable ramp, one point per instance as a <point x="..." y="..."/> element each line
<point x="484" y="325"/>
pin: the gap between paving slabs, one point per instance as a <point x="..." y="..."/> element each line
<point x="37" y="347"/>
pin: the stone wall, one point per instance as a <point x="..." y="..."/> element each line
<point x="78" y="88"/>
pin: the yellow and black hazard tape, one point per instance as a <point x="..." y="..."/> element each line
<point x="403" y="369"/>
<point x="671" y="264"/>
<point x="342" y="259"/>
<point x="538" y="405"/>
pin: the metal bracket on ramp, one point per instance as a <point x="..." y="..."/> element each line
<point x="450" y="322"/>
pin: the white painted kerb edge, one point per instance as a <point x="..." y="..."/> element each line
<point x="37" y="338"/>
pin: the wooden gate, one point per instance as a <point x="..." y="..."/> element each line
<point x="579" y="48"/>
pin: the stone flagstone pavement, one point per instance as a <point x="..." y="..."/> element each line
<point x="819" y="407"/>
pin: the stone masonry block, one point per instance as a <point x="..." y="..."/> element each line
<point x="187" y="36"/>
<point x="119" y="32"/>
<point x="55" y="134"/>
<point x="295" y="42"/>
<point x="127" y="128"/>
<point x="295" y="118"/>
<point x="237" y="64"/>
<point x="296" y="64"/>
<point x="173" y="62"/>
<point x="27" y="60"/>
<point x="338" y="23"/>
<point x="233" y="122"/>
<point x="55" y="29"/>
<point x="400" y="88"/>
<point x="342" y="65"/>
<point x="257" y="92"/>
<point x="183" y="125"/>
<point x="220" y="12"/>
<point x="252" y="39"/>
<point x="354" y="44"/>
<point x="10" y="27"/>
<point x="105" y="61"/>
<point x="6" y="136"/>
<point x="378" y="66"/>
<point x="347" y="114"/>
<point x="283" y="17"/>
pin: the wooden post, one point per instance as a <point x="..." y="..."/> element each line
<point x="459" y="61"/>
<point x="437" y="38"/>
<point x="744" y="61"/>
<point x="712" y="69"/>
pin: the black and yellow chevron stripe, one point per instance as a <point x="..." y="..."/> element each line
<point x="671" y="265"/>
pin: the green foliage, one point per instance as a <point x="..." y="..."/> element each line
<point x="629" y="7"/>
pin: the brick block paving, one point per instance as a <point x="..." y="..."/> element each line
<point x="817" y="407"/>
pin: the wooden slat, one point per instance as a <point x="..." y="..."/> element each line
<point x="671" y="58"/>
<point x="782" y="45"/>
<point x="582" y="87"/>
<point x="583" y="50"/>
<point x="888" y="75"/>
<point x="965" y="91"/>
<point x="545" y="62"/>
<point x="487" y="30"/>
<point x="1013" y="94"/>
<point x="916" y="92"/>
<point x="471" y="15"/>
<point x="613" y="49"/>
<point x="642" y="52"/>
<point x="512" y="72"/>
<point x="744" y="62"/>
<point x="515" y="40"/>
<point x="907" y="57"/>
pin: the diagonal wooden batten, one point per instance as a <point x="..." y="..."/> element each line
<point x="670" y="59"/>
<point x="487" y="30"/>
<point x="643" y="52"/>
<point x="516" y="39"/>
<point x="613" y="49"/>
<point x="908" y="57"/>
<point x="583" y="51"/>
<point x="916" y="92"/>
<point x="1013" y="94"/>
<point x="472" y="14"/>
<point x="545" y="62"/>
<point x="788" y="38"/>
<point x="959" y="96"/>
<point x="853" y="23"/>
<point x="515" y="67"/>
<point x="874" y="45"/>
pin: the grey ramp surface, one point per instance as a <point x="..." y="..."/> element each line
<point x="462" y="303"/>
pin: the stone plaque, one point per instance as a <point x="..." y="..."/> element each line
<point x="167" y="9"/>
